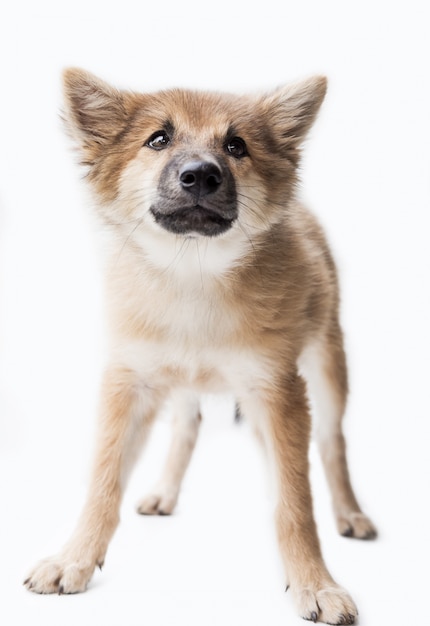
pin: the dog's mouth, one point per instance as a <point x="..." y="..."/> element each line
<point x="195" y="219"/>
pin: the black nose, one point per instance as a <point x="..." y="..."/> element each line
<point x="200" y="177"/>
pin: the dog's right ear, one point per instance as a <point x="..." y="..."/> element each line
<point x="94" y="112"/>
<point x="292" y="110"/>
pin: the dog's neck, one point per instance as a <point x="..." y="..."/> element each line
<point x="188" y="260"/>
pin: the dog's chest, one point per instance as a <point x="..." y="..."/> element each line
<point x="198" y="331"/>
<point x="191" y="336"/>
<point x="199" y="318"/>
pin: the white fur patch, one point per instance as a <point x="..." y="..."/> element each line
<point x="326" y="411"/>
<point x="227" y="370"/>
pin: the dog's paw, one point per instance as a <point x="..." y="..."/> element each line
<point x="356" y="525"/>
<point x="60" y="575"/>
<point x="331" y="605"/>
<point x="161" y="502"/>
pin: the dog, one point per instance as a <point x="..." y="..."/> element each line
<point x="217" y="279"/>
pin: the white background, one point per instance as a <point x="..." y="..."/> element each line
<point x="366" y="175"/>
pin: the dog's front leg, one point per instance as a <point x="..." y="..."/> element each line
<point x="126" y="413"/>
<point x="281" y="415"/>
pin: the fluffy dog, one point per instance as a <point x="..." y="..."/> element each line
<point x="217" y="279"/>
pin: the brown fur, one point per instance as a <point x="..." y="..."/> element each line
<point x="244" y="311"/>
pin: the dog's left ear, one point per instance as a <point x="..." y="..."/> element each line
<point x="94" y="112"/>
<point x="292" y="109"/>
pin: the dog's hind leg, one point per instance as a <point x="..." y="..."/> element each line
<point x="185" y="427"/>
<point x="324" y="367"/>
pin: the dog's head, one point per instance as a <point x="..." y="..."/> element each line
<point x="188" y="163"/>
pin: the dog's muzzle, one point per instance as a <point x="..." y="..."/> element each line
<point x="196" y="196"/>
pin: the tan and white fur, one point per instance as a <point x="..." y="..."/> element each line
<point x="217" y="279"/>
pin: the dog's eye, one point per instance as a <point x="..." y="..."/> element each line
<point x="236" y="147"/>
<point x="158" y="140"/>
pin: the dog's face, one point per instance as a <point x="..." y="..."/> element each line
<point x="196" y="190"/>
<point x="191" y="164"/>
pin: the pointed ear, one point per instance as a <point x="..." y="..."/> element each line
<point x="94" y="111"/>
<point x="292" y="110"/>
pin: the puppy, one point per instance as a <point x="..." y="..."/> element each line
<point x="217" y="279"/>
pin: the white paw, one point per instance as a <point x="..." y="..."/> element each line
<point x="161" y="502"/>
<point x="60" y="575"/>
<point x="330" y="604"/>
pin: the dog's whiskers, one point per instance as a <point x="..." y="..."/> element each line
<point x="200" y="264"/>
<point x="127" y="239"/>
